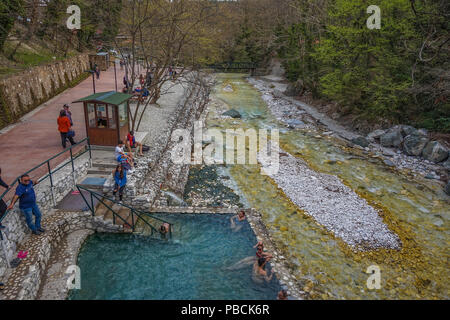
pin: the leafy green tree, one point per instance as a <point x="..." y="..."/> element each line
<point x="9" y="11"/>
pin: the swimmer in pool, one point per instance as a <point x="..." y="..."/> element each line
<point x="165" y="228"/>
<point x="259" y="272"/>
<point x="282" y="295"/>
<point x="240" y="217"/>
<point x="260" y="251"/>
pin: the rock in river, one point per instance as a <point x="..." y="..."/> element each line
<point x="361" y="141"/>
<point x="375" y="135"/>
<point x="228" y="88"/>
<point x="446" y="164"/>
<point x="408" y="130"/>
<point x="435" y="152"/>
<point x="414" y="144"/>
<point x="233" y="113"/>
<point x="294" y="123"/>
<point x="447" y="188"/>
<point x="393" y="138"/>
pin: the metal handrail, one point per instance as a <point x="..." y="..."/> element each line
<point x="133" y="211"/>
<point x="50" y="172"/>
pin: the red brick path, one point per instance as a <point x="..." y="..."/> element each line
<point x="36" y="138"/>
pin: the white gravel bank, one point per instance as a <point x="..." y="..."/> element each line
<point x="334" y="205"/>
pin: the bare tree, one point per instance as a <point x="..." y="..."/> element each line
<point x="156" y="36"/>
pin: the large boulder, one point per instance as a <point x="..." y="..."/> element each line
<point x="408" y="130"/>
<point x="447" y="188"/>
<point x="423" y="132"/>
<point x="435" y="152"/>
<point x="233" y="113"/>
<point x="446" y="164"/>
<point x="294" y="89"/>
<point x="360" y="141"/>
<point x="414" y="144"/>
<point x="375" y="134"/>
<point x="392" y="138"/>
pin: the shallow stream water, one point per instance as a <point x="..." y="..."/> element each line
<point x="416" y="210"/>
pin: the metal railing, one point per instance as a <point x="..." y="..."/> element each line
<point x="50" y="172"/>
<point x="136" y="215"/>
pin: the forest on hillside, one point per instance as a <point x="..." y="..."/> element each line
<point x="398" y="73"/>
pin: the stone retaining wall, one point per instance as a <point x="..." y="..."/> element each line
<point x="25" y="280"/>
<point x="143" y="186"/>
<point x="16" y="229"/>
<point x="21" y="93"/>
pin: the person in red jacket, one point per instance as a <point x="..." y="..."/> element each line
<point x="64" y="127"/>
<point x="132" y="143"/>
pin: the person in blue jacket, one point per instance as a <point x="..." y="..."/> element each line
<point x="120" y="179"/>
<point x="27" y="203"/>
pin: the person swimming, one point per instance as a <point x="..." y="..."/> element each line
<point x="164" y="229"/>
<point x="282" y="295"/>
<point x="260" y="251"/>
<point x="259" y="272"/>
<point x="240" y="217"/>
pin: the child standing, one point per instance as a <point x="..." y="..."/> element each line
<point x="120" y="179"/>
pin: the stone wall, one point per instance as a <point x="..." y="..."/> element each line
<point x="143" y="186"/>
<point x="16" y="229"/>
<point x="25" y="280"/>
<point x="21" y="93"/>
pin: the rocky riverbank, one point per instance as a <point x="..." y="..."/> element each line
<point x="401" y="147"/>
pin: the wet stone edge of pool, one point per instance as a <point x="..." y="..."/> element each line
<point x="57" y="290"/>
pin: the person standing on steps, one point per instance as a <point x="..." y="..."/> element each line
<point x="3" y="206"/>
<point x="120" y="179"/>
<point x="64" y="128"/>
<point x="27" y="203"/>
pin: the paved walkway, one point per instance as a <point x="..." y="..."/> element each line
<point x="36" y="138"/>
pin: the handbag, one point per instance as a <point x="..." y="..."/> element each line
<point x="71" y="134"/>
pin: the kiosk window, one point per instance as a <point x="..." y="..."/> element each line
<point x="102" y="121"/>
<point x="91" y="115"/>
<point x="123" y="116"/>
<point x="111" y="117"/>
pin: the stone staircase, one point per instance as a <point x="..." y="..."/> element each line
<point x="107" y="215"/>
<point x="124" y="217"/>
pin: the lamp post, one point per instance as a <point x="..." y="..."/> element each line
<point x="93" y="78"/>
<point x="115" y="73"/>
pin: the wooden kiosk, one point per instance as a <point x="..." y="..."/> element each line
<point x="106" y="117"/>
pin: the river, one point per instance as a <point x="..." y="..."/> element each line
<point x="415" y="209"/>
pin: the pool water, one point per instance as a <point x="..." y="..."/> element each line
<point x="199" y="262"/>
